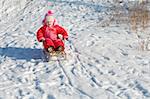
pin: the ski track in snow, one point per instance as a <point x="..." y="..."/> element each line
<point x="103" y="62"/>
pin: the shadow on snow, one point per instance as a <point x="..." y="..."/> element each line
<point x="21" y="53"/>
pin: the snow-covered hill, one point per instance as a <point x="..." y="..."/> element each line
<point x="105" y="45"/>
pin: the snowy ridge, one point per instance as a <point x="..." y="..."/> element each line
<point x="105" y="59"/>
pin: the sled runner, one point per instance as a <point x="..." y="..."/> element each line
<point x="54" y="56"/>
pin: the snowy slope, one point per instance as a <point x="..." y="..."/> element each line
<point x="106" y="61"/>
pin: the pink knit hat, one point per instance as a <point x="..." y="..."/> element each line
<point x="49" y="13"/>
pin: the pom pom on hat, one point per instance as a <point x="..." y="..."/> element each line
<point x="49" y="13"/>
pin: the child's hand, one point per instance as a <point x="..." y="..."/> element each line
<point x="67" y="39"/>
<point x="42" y="40"/>
<point x="60" y="36"/>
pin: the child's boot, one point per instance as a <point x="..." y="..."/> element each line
<point x="50" y="49"/>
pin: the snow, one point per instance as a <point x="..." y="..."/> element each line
<point x="106" y="59"/>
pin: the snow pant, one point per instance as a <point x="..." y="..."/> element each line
<point x="54" y="43"/>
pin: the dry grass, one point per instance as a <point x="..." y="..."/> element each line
<point x="139" y="17"/>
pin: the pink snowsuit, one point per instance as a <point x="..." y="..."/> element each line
<point x="50" y="34"/>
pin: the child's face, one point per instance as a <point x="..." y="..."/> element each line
<point x="49" y="21"/>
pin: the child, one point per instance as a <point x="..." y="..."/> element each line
<point x="52" y="35"/>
